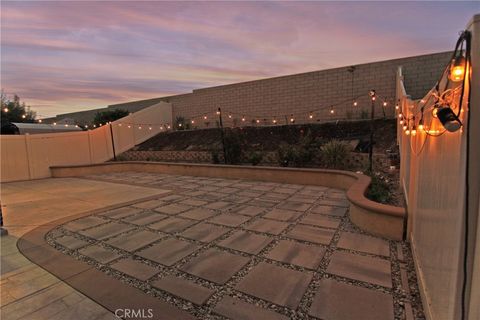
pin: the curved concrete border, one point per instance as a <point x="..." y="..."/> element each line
<point x="105" y="290"/>
<point x="379" y="219"/>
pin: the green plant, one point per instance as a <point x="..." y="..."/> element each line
<point x="215" y="157"/>
<point x="300" y="154"/>
<point x="181" y="124"/>
<point x="334" y="154"/>
<point x="379" y="190"/>
<point x="254" y="158"/>
<point x="233" y="147"/>
<point x="14" y="110"/>
<point x="109" y="116"/>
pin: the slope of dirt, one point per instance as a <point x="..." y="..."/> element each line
<point x="269" y="138"/>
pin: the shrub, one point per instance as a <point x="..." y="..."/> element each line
<point x="298" y="155"/>
<point x="233" y="147"/>
<point x="379" y="190"/>
<point x="254" y="158"/>
<point x="215" y="157"/>
<point x="334" y="154"/>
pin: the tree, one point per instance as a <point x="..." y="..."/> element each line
<point x="109" y="116"/>
<point x="15" y="111"/>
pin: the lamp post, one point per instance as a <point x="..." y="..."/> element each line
<point x="373" y="97"/>
<point x="219" y="112"/>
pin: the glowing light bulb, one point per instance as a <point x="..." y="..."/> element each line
<point x="407" y="132"/>
<point x="243" y="119"/>
<point x="457" y="69"/>
<point x="179" y="124"/>
<point x="40" y="120"/>
<point x="292" y="120"/>
<point x="119" y="124"/>
<point x="218" y="112"/>
<point x="405" y="127"/>
<point x="258" y="121"/>
<point x="401" y="121"/>
<point x="332" y="111"/>
<point x="310" y="116"/>
<point x="193" y="121"/>
<point x="140" y="128"/>
<point x="168" y="127"/>
<point x="413" y="132"/>
<point x="384" y="103"/>
<point x="129" y="127"/>
<point x="230" y="116"/>
<point x="274" y="120"/>
<point x="54" y="123"/>
<point x="397" y="107"/>
<point x="149" y="128"/>
<point x="24" y="116"/>
<point x="205" y="117"/>
<point x="5" y="110"/>
<point x="355" y="103"/>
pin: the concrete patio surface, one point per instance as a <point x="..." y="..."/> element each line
<point x="28" y="291"/>
<point x="215" y="248"/>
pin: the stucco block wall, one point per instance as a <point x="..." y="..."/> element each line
<point x="301" y="93"/>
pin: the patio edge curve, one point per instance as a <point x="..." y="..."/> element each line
<point x="379" y="219"/>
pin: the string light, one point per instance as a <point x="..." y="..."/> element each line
<point x="168" y="126"/>
<point x="274" y="121"/>
<point x="54" y="123"/>
<point x="310" y="116"/>
<point x="230" y="116"/>
<point x="355" y="103"/>
<point x="205" y="117"/>
<point x="5" y="110"/>
<point x="401" y="121"/>
<point x="457" y="69"/>
<point x="292" y="120"/>
<point x="119" y="124"/>
<point x="243" y="118"/>
<point x="332" y="111"/>
<point x="39" y="120"/>
<point x="258" y="121"/>
<point x="384" y="103"/>
<point x="193" y="121"/>
<point x="93" y="126"/>
<point x="149" y="128"/>
<point x="23" y="116"/>
<point x="420" y="124"/>
<point x="139" y="127"/>
<point x="86" y="126"/>
<point x="66" y="125"/>
<point x="397" y="107"/>
<point x="414" y="131"/>
<point x="218" y="112"/>
<point x="129" y="126"/>
<point x="180" y="125"/>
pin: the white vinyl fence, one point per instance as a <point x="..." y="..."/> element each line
<point x="433" y="177"/>
<point x="26" y="157"/>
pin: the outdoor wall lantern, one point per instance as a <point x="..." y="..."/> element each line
<point x="449" y="119"/>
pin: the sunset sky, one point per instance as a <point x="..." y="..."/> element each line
<point x="68" y="56"/>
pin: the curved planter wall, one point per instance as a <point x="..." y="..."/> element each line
<point x="383" y="220"/>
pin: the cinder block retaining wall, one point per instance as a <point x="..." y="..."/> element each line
<point x="301" y="93"/>
<point x="355" y="160"/>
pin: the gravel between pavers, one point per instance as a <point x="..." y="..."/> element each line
<point x="164" y="181"/>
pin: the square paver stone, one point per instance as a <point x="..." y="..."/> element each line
<point x="197" y="214"/>
<point x="300" y="254"/>
<point x="145" y="218"/>
<point x="215" y="265"/>
<point x="184" y="289"/>
<point x="297" y="206"/>
<point x="135" y="269"/>
<point x="236" y="199"/>
<point x="249" y="210"/>
<point x="173" y="208"/>
<point x="172" y="197"/>
<point x="134" y="241"/>
<point x="246" y="242"/>
<point x="283" y="215"/>
<point x="150" y="204"/>
<point x="320" y="220"/>
<point x="329" y="210"/>
<point x="311" y="234"/>
<point x="362" y="268"/>
<point x="220" y="205"/>
<point x="268" y="226"/>
<point x="302" y="199"/>
<point x="263" y="203"/>
<point x="105" y="231"/>
<point x="279" y="285"/>
<point x="236" y="309"/>
<point x="172" y="224"/>
<point x="121" y="212"/>
<point x="70" y="242"/>
<point x="204" y="232"/>
<point x="334" y="202"/>
<point x="193" y="202"/>
<point x="229" y="219"/>
<point x="84" y="223"/>
<point x="99" y="254"/>
<point x="363" y="243"/>
<point x="340" y="301"/>
<point x="168" y="251"/>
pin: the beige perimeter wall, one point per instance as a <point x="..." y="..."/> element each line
<point x="25" y="157"/>
<point x="433" y="175"/>
<point x="299" y="94"/>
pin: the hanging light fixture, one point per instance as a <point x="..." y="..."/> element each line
<point x="449" y="119"/>
<point x="310" y="116"/>
<point x="355" y="103"/>
<point x="457" y="69"/>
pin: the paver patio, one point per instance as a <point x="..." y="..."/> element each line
<point x="259" y="250"/>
